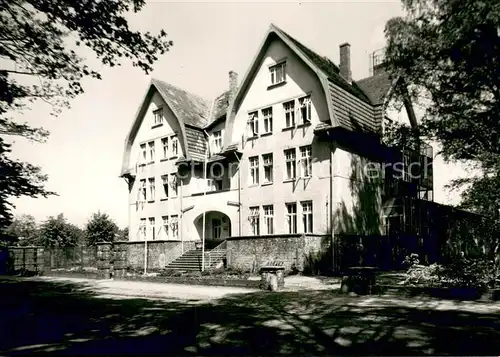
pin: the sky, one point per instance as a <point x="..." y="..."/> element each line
<point x="84" y="152"/>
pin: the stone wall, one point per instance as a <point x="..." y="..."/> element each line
<point x="106" y="258"/>
<point x="293" y="250"/>
<point x="160" y="253"/>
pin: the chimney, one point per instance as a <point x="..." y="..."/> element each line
<point x="345" y="62"/>
<point x="233" y="84"/>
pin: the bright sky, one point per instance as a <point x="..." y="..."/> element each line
<point x="84" y="152"/>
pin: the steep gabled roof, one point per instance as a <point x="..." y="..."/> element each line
<point x="376" y="87"/>
<point x="193" y="112"/>
<point x="352" y="106"/>
<point x="330" y="69"/>
<point x="190" y="108"/>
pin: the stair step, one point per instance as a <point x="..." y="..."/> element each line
<point x="185" y="263"/>
<point x="194" y="260"/>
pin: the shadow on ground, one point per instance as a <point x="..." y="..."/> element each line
<point x="66" y="318"/>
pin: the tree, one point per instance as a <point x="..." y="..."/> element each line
<point x="447" y="52"/>
<point x="25" y="229"/>
<point x="100" y="228"/>
<point x="123" y="234"/>
<point x="57" y="232"/>
<point x="39" y="40"/>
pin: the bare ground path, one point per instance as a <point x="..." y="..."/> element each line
<point x="82" y="317"/>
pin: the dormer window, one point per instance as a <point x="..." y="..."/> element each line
<point x="158" y="117"/>
<point x="278" y="73"/>
<point x="217" y="141"/>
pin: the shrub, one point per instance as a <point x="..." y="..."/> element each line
<point x="423" y="275"/>
<point x="460" y="273"/>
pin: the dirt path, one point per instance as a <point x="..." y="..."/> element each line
<point x="120" y="288"/>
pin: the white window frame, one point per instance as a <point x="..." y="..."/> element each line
<point x="267" y="163"/>
<point x="305" y="107"/>
<point x="174" y="226"/>
<point x="174" y="184"/>
<point x="165" y="226"/>
<point x="165" y="183"/>
<point x="307" y="216"/>
<point x="143" y="191"/>
<point x="151" y="228"/>
<point x="267" y="120"/>
<point x="254" y="219"/>
<point x="175" y="146"/>
<point x="217" y="141"/>
<point x="143" y="155"/>
<point x="289" y="111"/>
<point x="291" y="217"/>
<point x="277" y="73"/>
<point x="306" y="161"/>
<point x="164" y="145"/>
<point x="214" y="185"/>
<point x="253" y="165"/>
<point x="268" y="219"/>
<point x="290" y="162"/>
<point x="151" y="189"/>
<point x="151" y="151"/>
<point x="158" y="119"/>
<point x="253" y="124"/>
<point x="142" y="229"/>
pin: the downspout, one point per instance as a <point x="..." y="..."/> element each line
<point x="332" y="223"/>
<point x="205" y="168"/>
<point x="239" y="195"/>
<point x="181" y="216"/>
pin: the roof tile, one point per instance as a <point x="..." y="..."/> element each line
<point x="376" y="87"/>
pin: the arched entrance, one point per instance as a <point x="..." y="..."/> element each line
<point x="217" y="227"/>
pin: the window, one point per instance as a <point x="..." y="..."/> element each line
<point x="174" y="226"/>
<point x="289" y="108"/>
<point x="142" y="229"/>
<point x="291" y="217"/>
<point x="305" y="159"/>
<point x="291" y="165"/>
<point x="165" y="226"/>
<point x="305" y="109"/>
<point x="151" y="146"/>
<point x="143" y="154"/>
<point x="164" y="182"/>
<point x="268" y="219"/>
<point x="151" y="228"/>
<point x="254" y="170"/>
<point x="254" y="220"/>
<point x="214" y="185"/>
<point x="267" y="115"/>
<point x="253" y="125"/>
<point x="278" y="73"/>
<point x="158" y="116"/>
<point x="217" y="141"/>
<point x="142" y="191"/>
<point x="164" y="145"/>
<point x="174" y="185"/>
<point x="268" y="168"/>
<point x="307" y="216"/>
<point x="151" y="184"/>
<point x="175" y="146"/>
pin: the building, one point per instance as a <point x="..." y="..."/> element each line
<point x="285" y="151"/>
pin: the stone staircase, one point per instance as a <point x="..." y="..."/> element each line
<point x="191" y="260"/>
